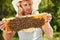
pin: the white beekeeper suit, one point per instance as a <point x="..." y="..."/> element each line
<point x="32" y="33"/>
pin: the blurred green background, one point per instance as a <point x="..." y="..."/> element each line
<point x="49" y="6"/>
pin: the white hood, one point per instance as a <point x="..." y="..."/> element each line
<point x="35" y="4"/>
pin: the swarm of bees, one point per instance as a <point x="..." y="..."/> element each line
<point x="25" y="22"/>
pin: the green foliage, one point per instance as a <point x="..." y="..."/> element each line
<point x="56" y="36"/>
<point x="1" y="37"/>
<point x="55" y="28"/>
<point x="53" y="7"/>
<point x="6" y="9"/>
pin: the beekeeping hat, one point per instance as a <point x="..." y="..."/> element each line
<point x="14" y="2"/>
<point x="34" y="5"/>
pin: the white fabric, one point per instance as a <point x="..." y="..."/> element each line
<point x="14" y="2"/>
<point x="34" y="6"/>
<point x="35" y="35"/>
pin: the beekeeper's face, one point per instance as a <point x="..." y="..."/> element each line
<point x="26" y="6"/>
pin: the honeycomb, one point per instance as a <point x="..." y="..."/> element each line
<point x="25" y="22"/>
